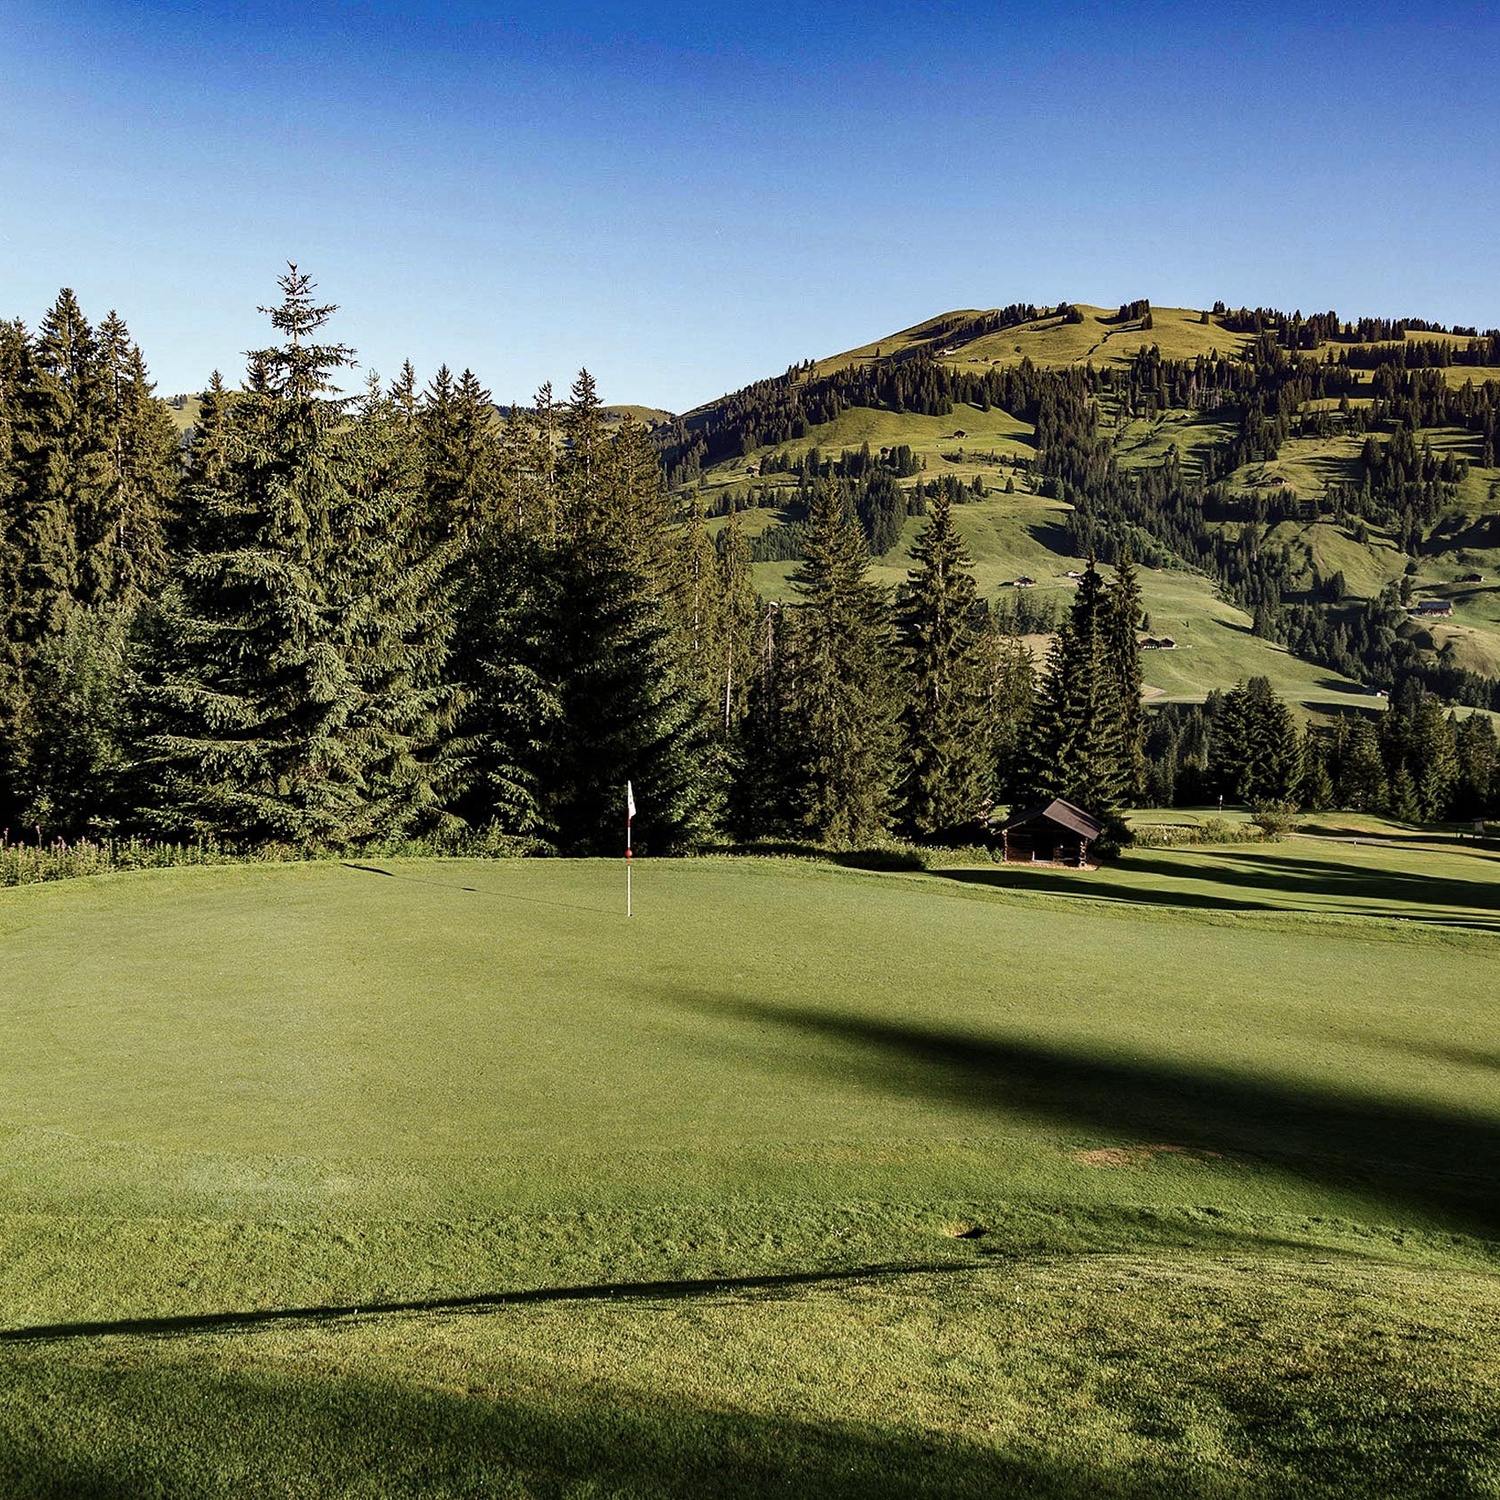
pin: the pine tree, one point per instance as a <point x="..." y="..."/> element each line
<point x="739" y="624"/>
<point x="123" y="531"/>
<point x="92" y="461"/>
<point x="1125" y="612"/>
<point x="1078" y="748"/>
<point x="300" y="699"/>
<point x="460" y="457"/>
<point x="947" y="764"/>
<point x="1478" y="754"/>
<point x="693" y="586"/>
<point x="1433" y="758"/>
<point x="14" y="360"/>
<point x="635" y="509"/>
<point x="583" y="471"/>
<point x="1010" y="706"/>
<point x="580" y="687"/>
<point x="844" y="706"/>
<point x="1361" y="783"/>
<point x="206" y="463"/>
<point x="1260" y="750"/>
<point x="59" y="437"/>
<point x="1314" y="791"/>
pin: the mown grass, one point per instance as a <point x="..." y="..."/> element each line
<point x="443" y="1178"/>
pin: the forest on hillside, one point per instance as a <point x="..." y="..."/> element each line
<point x="323" y="621"/>
<point x="1297" y="377"/>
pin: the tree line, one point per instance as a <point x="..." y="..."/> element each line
<point x="1417" y="761"/>
<point x="325" y="620"/>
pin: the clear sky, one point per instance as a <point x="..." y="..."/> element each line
<point x="686" y="197"/>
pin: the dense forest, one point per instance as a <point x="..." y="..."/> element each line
<point x="323" y="620"/>
<point x="326" y="621"/>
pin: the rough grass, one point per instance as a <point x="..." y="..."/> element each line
<point x="442" y="1178"/>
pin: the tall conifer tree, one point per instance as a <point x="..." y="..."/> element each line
<point x="845" y="704"/>
<point x="300" y="699"/>
<point x="1077" y="752"/>
<point x="1125" y="612"/>
<point x="947" y="770"/>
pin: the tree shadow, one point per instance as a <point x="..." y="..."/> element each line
<point x="1053" y="537"/>
<point x="1279" y="871"/>
<point x="198" y="1429"/>
<point x="242" y="1320"/>
<point x="1347" y="891"/>
<point x="1442" y="1163"/>
<point x="329" y="1418"/>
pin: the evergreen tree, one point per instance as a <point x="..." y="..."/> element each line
<point x="581" y="687"/>
<point x="739" y="621"/>
<point x="695" y="583"/>
<point x="300" y="695"/>
<point x="206" y="462"/>
<point x="634" y="508"/>
<point x="1010" y="706"/>
<point x="1314" y="791"/>
<point x="1433" y="758"/>
<point x="844" y="707"/>
<point x="74" y="774"/>
<point x="1478" y="757"/>
<point x="1360" y="782"/>
<point x="1125" y="612"/>
<point x="123" y="531"/>
<point x="460" y="457"/>
<point x="92" y="467"/>
<point x="1259" y="749"/>
<point x="582" y="475"/>
<point x="528" y="445"/>
<point x="1078" y="750"/>
<point x="948" y="764"/>
<point x="59" y="457"/>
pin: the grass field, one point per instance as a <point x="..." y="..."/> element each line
<point x="442" y="1178"/>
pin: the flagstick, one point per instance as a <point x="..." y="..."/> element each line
<point x="627" y="867"/>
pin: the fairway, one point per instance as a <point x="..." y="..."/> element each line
<point x="858" y="1176"/>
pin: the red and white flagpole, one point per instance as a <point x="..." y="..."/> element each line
<point x="629" y="819"/>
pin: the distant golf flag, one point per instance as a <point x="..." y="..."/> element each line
<point x="629" y="819"/>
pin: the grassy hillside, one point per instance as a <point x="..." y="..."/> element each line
<point x="441" y="1178"/>
<point x="1022" y="533"/>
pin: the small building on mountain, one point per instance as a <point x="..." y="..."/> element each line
<point x="1435" y="607"/>
<point x="1055" y="833"/>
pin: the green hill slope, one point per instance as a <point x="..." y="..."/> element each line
<point x="1016" y="526"/>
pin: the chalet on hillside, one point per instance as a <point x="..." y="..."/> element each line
<point x="1435" y="607"/>
<point x="1056" y="833"/>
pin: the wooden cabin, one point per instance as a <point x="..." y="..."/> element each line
<point x="1056" y="833"/>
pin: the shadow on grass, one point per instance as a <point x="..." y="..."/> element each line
<point x="1343" y="833"/>
<point x="194" y="1429"/>
<point x="1442" y="1164"/>
<point x="1107" y="1419"/>
<point x="1283" y="871"/>
<point x="1346" y="890"/>
<point x="184" y="1324"/>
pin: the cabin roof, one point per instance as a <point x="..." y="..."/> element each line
<point x="1057" y="811"/>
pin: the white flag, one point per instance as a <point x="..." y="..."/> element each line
<point x="629" y="804"/>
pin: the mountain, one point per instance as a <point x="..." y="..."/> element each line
<point x="1291" y="481"/>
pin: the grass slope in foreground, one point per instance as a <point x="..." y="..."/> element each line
<point x="447" y="1180"/>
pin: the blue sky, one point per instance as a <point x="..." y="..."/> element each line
<point x="686" y="198"/>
